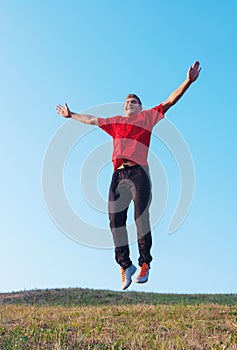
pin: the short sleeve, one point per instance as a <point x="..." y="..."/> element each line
<point x="106" y="124"/>
<point x="156" y="114"/>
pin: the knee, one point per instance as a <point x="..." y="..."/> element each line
<point x="143" y="224"/>
<point x="117" y="220"/>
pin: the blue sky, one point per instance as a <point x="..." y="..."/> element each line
<point x="92" y="53"/>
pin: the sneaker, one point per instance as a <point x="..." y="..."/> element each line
<point x="143" y="274"/>
<point x="126" y="276"/>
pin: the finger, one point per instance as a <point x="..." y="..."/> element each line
<point x="58" y="110"/>
<point x="196" y="65"/>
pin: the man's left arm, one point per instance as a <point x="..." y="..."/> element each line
<point x="192" y="75"/>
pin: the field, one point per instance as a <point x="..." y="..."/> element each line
<point x="77" y="318"/>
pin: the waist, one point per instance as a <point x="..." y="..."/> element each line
<point x="127" y="164"/>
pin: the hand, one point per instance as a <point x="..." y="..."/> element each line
<point x="64" y="111"/>
<point x="194" y="71"/>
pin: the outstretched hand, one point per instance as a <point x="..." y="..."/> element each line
<point x="194" y="71"/>
<point x="64" y="111"/>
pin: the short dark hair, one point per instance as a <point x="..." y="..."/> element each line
<point x="134" y="96"/>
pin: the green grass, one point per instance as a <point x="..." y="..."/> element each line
<point x="79" y="296"/>
<point x="98" y="319"/>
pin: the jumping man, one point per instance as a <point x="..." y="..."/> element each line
<point x="131" y="181"/>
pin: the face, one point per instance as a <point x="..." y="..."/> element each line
<point x="132" y="106"/>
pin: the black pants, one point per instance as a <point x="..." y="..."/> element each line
<point x="130" y="183"/>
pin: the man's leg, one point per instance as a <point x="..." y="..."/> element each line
<point x="119" y="199"/>
<point x="142" y="200"/>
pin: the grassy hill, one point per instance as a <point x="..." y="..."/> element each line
<point x="79" y="296"/>
<point x="77" y="318"/>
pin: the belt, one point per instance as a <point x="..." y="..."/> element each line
<point x="126" y="164"/>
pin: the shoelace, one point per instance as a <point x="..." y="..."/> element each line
<point x="123" y="274"/>
<point x="143" y="270"/>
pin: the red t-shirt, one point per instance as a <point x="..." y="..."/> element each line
<point x="131" y="135"/>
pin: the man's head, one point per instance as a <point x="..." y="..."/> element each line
<point x="132" y="105"/>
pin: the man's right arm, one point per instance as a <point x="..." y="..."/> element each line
<point x="85" y="118"/>
<point x="65" y="112"/>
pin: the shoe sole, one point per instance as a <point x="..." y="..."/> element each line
<point x="127" y="286"/>
<point x="141" y="281"/>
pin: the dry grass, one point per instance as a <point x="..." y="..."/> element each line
<point x="134" y="325"/>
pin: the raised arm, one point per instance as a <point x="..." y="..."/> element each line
<point x="192" y="75"/>
<point x="65" y="112"/>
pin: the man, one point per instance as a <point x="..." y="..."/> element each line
<point x="131" y="181"/>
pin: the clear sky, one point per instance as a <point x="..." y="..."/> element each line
<point x="91" y="54"/>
